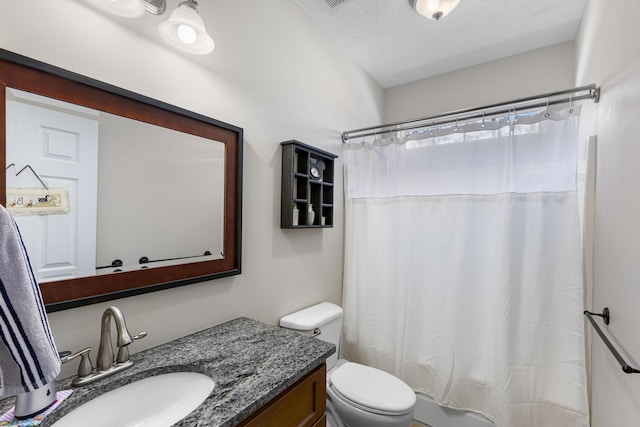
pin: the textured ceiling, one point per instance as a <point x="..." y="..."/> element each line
<point x="395" y="45"/>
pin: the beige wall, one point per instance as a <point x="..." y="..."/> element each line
<point x="608" y="54"/>
<point x="273" y="74"/>
<point x="518" y="76"/>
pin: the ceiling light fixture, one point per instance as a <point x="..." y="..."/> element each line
<point x="185" y="30"/>
<point x="434" y="9"/>
<point x="155" y="7"/>
<point x="122" y="8"/>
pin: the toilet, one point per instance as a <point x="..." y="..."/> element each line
<point x="357" y="395"/>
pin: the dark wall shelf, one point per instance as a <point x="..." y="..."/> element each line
<point x="301" y="188"/>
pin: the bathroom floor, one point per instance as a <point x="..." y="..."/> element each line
<point x="417" y="424"/>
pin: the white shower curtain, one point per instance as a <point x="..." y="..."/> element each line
<point x="463" y="271"/>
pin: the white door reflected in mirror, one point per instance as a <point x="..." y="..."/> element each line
<point x="159" y="194"/>
<point x="53" y="151"/>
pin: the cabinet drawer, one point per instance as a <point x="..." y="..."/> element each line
<point x="302" y="405"/>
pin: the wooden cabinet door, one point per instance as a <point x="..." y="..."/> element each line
<point x="302" y="405"/>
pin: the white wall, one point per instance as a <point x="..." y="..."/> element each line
<point x="518" y="76"/>
<point x="608" y="54"/>
<point x="273" y="74"/>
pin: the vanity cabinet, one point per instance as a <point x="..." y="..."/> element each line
<point x="307" y="182"/>
<point x="267" y="396"/>
<point x="302" y="405"/>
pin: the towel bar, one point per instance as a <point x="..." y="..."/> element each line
<point x="145" y="260"/>
<point x="605" y="315"/>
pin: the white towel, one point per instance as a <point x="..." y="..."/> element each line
<point x="28" y="355"/>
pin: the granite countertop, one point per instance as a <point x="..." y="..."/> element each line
<point x="251" y="363"/>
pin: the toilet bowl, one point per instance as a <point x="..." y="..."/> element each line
<point x="357" y="395"/>
<point x="365" y="396"/>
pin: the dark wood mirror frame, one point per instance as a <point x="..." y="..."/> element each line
<point x="29" y="75"/>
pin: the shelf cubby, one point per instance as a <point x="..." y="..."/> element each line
<point x="301" y="188"/>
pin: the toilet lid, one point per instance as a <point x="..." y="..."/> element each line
<point x="372" y="388"/>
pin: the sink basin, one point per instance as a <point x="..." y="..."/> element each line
<point x="154" y="401"/>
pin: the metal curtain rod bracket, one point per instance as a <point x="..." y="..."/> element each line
<point x="592" y="93"/>
<point x="606" y="316"/>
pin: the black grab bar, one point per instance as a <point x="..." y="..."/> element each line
<point x="606" y="317"/>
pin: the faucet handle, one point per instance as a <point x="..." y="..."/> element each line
<point x="123" y="351"/>
<point x="140" y="335"/>
<point x="85" y="368"/>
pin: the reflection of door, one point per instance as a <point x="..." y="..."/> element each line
<point x="63" y="150"/>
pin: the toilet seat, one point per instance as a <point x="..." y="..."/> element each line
<point x="372" y="390"/>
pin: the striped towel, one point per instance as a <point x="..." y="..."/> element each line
<point x="28" y="355"/>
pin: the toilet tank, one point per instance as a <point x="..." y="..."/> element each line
<point x="322" y="321"/>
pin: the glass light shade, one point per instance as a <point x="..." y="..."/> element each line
<point x="184" y="30"/>
<point x="435" y="9"/>
<point x="123" y="8"/>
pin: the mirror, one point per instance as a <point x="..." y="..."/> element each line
<point x="164" y="185"/>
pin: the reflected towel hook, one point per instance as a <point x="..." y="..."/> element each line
<point x="10" y="164"/>
<point x="34" y="173"/>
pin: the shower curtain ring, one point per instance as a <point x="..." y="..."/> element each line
<point x="571" y="104"/>
<point x="546" y="113"/>
<point x="483" y="113"/>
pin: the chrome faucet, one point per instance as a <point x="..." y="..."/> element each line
<point x="106" y="364"/>
<point x="105" y="359"/>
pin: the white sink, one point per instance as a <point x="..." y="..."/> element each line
<point x="154" y="401"/>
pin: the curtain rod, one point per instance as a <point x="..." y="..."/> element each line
<point x="593" y="93"/>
